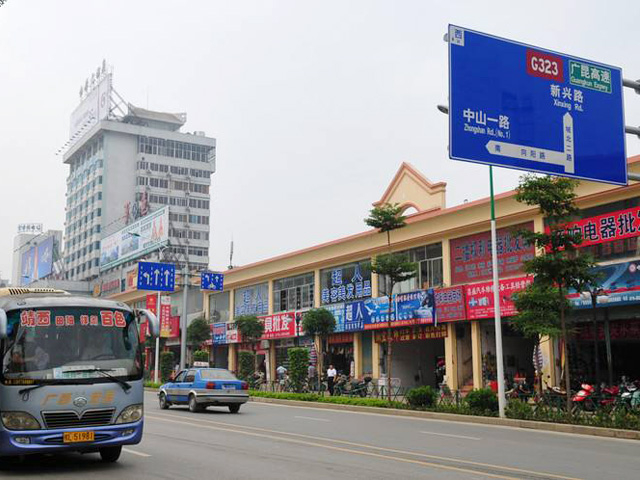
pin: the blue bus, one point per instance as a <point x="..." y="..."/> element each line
<point x="71" y="377"/>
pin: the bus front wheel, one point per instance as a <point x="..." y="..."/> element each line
<point x="110" y="454"/>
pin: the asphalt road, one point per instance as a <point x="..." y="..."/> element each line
<point x="279" y="442"/>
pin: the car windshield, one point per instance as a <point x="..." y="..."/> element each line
<point x="217" y="375"/>
<point x="70" y="344"/>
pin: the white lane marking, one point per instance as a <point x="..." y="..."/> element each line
<point x="525" y="429"/>
<point x="312" y="418"/>
<point x="133" y="452"/>
<point x="450" y="435"/>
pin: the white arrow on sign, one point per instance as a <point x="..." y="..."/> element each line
<point x="565" y="158"/>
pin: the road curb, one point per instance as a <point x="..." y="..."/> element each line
<point x="506" y="422"/>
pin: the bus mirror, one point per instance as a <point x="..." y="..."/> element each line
<point x="152" y="320"/>
<point x="3" y="324"/>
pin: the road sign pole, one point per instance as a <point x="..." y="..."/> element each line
<point x="496" y="301"/>
<point x="183" y="317"/>
<point x="155" y="374"/>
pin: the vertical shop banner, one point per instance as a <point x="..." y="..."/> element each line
<point x="281" y="325"/>
<point x="471" y="255"/>
<point x="174" y="322"/>
<point x="144" y="329"/>
<point x="480" y="297"/>
<point x="152" y="303"/>
<point x="354" y="316"/>
<point x="219" y="333"/>
<point x="608" y="227"/>
<point x="451" y="304"/>
<point x="165" y="316"/>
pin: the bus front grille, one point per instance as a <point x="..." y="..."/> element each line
<point x="70" y="419"/>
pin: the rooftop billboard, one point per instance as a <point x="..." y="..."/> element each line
<point x="136" y="239"/>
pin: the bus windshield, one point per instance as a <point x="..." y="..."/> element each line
<point x="70" y="343"/>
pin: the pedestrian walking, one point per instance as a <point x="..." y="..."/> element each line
<point x="331" y="378"/>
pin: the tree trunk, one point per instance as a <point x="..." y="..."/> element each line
<point x="567" y="380"/>
<point x="389" y="364"/>
<point x="318" y="342"/>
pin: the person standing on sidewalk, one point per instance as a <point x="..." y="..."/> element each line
<point x="331" y="378"/>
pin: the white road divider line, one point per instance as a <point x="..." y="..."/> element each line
<point x="450" y="435"/>
<point x="133" y="452"/>
<point x="312" y="418"/>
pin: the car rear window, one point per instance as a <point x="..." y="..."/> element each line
<point x="217" y="375"/>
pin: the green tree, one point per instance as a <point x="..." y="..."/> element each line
<point x="394" y="268"/>
<point x="386" y="218"/>
<point x="298" y="367"/>
<point x="391" y="268"/>
<point x="200" y="356"/>
<point x="251" y="330"/>
<point x="320" y="323"/>
<point x="198" y="332"/>
<point x="166" y="365"/>
<point x="560" y="267"/>
<point x="246" y="363"/>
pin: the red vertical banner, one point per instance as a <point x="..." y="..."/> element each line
<point x="143" y="331"/>
<point x="152" y="303"/>
<point x="174" y="323"/>
<point x="165" y="316"/>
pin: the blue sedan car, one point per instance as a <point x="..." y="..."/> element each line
<point x="200" y="388"/>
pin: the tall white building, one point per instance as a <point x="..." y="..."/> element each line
<point x="126" y="162"/>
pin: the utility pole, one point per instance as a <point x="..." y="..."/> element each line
<point x="183" y="317"/>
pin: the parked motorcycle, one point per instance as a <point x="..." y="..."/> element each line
<point x="584" y="399"/>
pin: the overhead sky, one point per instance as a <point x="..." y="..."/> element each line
<point x="314" y="104"/>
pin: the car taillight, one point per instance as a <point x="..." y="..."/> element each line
<point x="245" y="386"/>
<point x="211" y="385"/>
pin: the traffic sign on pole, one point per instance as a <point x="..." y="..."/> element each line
<point x="211" y="281"/>
<point x="156" y="276"/>
<point x="517" y="106"/>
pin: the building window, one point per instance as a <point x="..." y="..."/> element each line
<point x="219" y="307"/>
<point x="346" y="282"/>
<point x="253" y="300"/>
<point x="429" y="260"/>
<point x="293" y="293"/>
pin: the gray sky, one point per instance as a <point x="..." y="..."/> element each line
<point x="314" y="104"/>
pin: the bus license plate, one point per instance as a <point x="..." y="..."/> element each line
<point x="78" y="437"/>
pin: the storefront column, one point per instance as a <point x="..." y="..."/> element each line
<point x="374" y="285"/>
<point x="316" y="288"/>
<point x="232" y="358"/>
<point x="270" y="307"/>
<point x="375" y="357"/>
<point x="446" y="263"/>
<point x="547" y="346"/>
<point x="272" y="361"/>
<point x="476" y="354"/>
<point x="451" y="356"/>
<point x="357" y="353"/>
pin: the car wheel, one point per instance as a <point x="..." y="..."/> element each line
<point x="110" y="454"/>
<point x="234" y="408"/>
<point x="193" y="404"/>
<point x="162" y="400"/>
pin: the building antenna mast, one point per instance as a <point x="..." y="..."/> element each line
<point x="231" y="256"/>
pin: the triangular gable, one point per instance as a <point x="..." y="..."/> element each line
<point x="410" y="188"/>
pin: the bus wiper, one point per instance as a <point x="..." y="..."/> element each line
<point x="125" y="385"/>
<point x="26" y="391"/>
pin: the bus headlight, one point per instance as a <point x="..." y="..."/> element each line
<point x="19" y="421"/>
<point x="131" y="414"/>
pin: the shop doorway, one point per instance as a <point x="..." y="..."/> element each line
<point x="517" y="354"/>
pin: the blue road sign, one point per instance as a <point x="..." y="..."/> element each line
<point x="156" y="276"/>
<point x="517" y="106"/>
<point x="211" y="281"/>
